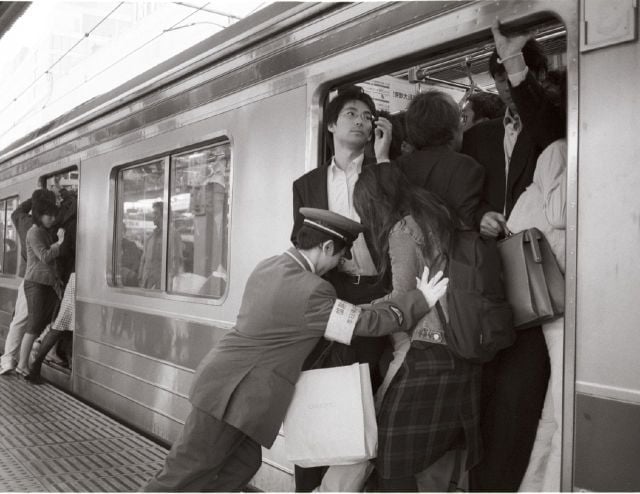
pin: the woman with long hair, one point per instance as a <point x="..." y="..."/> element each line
<point x="428" y="403"/>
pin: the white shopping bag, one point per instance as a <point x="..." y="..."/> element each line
<point x="331" y="419"/>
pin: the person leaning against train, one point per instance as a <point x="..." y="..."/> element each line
<point x="23" y="222"/>
<point x="42" y="287"/>
<point x="244" y="386"/>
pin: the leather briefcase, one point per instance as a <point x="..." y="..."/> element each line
<point x="534" y="284"/>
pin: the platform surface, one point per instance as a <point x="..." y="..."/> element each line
<point x="52" y="442"/>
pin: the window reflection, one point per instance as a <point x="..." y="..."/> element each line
<point x="199" y="217"/>
<point x="8" y="237"/>
<point x="139" y="221"/>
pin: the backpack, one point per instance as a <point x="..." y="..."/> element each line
<point x="480" y="318"/>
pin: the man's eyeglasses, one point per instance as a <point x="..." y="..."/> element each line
<point x="365" y="116"/>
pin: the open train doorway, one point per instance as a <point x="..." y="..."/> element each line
<point x="460" y="72"/>
<point x="58" y="363"/>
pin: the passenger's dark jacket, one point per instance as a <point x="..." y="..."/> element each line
<point x="456" y="178"/>
<point x="67" y="217"/>
<point x="542" y="124"/>
<point x="310" y="191"/>
<point x="22" y="220"/>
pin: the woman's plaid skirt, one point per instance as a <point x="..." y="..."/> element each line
<point x="431" y="407"/>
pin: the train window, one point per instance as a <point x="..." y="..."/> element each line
<point x="67" y="179"/>
<point x="9" y="244"/>
<point x="200" y="193"/>
<point x="191" y="257"/>
<point x="139" y="238"/>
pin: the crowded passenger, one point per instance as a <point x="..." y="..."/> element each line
<point x="434" y="129"/>
<point x="428" y="412"/>
<point x="514" y="383"/>
<point x="22" y="221"/>
<point x="60" y="331"/>
<point x="480" y="107"/>
<point x="350" y="117"/>
<point x="543" y="206"/>
<point x="243" y="387"/>
<point x="399" y="145"/>
<point x="42" y="286"/>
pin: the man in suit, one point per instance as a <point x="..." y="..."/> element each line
<point x="434" y="128"/>
<point x="350" y="118"/>
<point x="244" y="386"/>
<point x="514" y="383"/>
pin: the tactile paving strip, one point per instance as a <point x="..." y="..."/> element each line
<point x="51" y="442"/>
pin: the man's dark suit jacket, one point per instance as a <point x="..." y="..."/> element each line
<point x="456" y="178"/>
<point x="484" y="143"/>
<point x="542" y="124"/>
<point x="310" y="191"/>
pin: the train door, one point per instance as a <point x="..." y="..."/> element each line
<point x="460" y="71"/>
<point x="59" y="360"/>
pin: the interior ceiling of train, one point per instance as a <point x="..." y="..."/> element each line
<point x="61" y="54"/>
<point x="466" y="67"/>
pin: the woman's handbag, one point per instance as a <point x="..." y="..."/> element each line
<point x="534" y="284"/>
<point x="331" y="419"/>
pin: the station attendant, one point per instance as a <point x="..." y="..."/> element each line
<point x="244" y="386"/>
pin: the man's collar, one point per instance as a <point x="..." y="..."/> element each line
<point x="512" y="119"/>
<point x="356" y="162"/>
<point x="301" y="259"/>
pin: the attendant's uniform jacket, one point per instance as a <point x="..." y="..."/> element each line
<point x="248" y="379"/>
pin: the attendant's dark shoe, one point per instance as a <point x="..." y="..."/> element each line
<point x="34" y="378"/>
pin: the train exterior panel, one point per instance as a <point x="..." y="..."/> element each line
<point x="258" y="87"/>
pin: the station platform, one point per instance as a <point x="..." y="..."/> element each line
<point x="52" y="442"/>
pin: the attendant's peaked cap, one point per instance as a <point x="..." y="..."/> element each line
<point x="333" y="224"/>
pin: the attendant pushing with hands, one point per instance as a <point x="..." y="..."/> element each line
<point x="352" y="123"/>
<point x="244" y="386"/>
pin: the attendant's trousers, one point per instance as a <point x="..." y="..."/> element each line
<point x="17" y="329"/>
<point x="514" y="384"/>
<point x="209" y="456"/>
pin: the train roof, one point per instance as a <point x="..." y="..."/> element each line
<point x="10" y="12"/>
<point x="244" y="33"/>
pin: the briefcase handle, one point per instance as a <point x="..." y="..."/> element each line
<point x="532" y="236"/>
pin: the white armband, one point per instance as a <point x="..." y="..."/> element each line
<point x="342" y="322"/>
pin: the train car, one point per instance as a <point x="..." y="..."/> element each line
<point x="191" y="165"/>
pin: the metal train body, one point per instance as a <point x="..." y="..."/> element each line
<point x="260" y="85"/>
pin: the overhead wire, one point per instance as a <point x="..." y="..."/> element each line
<point x="130" y="53"/>
<point x="173" y="27"/>
<point x="86" y="35"/>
